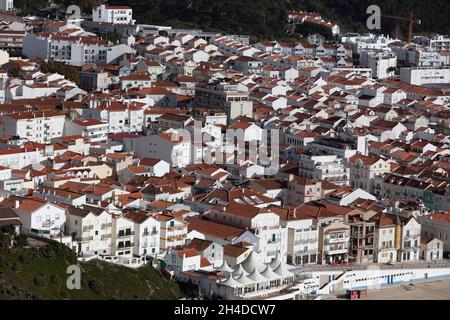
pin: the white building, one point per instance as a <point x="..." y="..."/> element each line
<point x="92" y="129"/>
<point x="168" y="146"/>
<point x="423" y="76"/>
<point x="6" y="5"/>
<point x="382" y="63"/>
<point x="146" y="233"/>
<point x="36" y="126"/>
<point x="73" y="50"/>
<point x="90" y="229"/>
<point x="113" y="14"/>
<point x="39" y="216"/>
<point x="327" y="167"/>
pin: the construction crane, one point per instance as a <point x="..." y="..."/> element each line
<point x="410" y="21"/>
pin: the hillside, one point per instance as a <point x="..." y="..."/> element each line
<point x="267" y="18"/>
<point x="40" y="273"/>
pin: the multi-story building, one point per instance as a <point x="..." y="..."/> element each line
<point x="12" y="40"/>
<point x="362" y="234"/>
<point x="364" y="169"/>
<point x="113" y="14"/>
<point x="426" y="76"/>
<point x="36" y="126"/>
<point x="409" y="238"/>
<point x="385" y="233"/>
<point x="334" y="243"/>
<point x="173" y="232"/>
<point x="6" y="5"/>
<point x="146" y="233"/>
<point x="92" y="129"/>
<point x="171" y="147"/>
<point x="264" y="223"/>
<point x="382" y="63"/>
<point x="302" y="190"/>
<point x="38" y="216"/>
<point x="327" y="167"/>
<point x="122" y="239"/>
<point x="90" y="229"/>
<point x="437" y="42"/>
<point x="224" y="95"/>
<point x="72" y="49"/>
<point x="302" y="235"/>
<point x="437" y="225"/>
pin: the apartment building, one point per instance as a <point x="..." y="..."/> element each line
<point x="173" y="232"/>
<point x="168" y="146"/>
<point x="328" y="167"/>
<point x="364" y="169"/>
<point x="122" y="236"/>
<point x="385" y="238"/>
<point x="382" y="63"/>
<point x="303" y="190"/>
<point x="72" y="49"/>
<point x="92" y="129"/>
<point x="437" y="225"/>
<point x="17" y="157"/>
<point x="146" y="233"/>
<point x="437" y="42"/>
<point x="224" y="95"/>
<point x="409" y="240"/>
<point x="90" y="229"/>
<point x="265" y="224"/>
<point x="37" y="126"/>
<point x="334" y="242"/>
<point x="112" y="14"/>
<point x="362" y="238"/>
<point x="302" y="235"/>
<point x="12" y="40"/>
<point x="426" y="76"/>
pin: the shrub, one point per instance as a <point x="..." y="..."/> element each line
<point x="39" y="280"/>
<point x="16" y="267"/>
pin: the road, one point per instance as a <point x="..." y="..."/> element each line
<point x="403" y="265"/>
<point x="424" y="290"/>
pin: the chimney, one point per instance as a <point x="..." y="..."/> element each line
<point x="295" y="212"/>
<point x="16" y="204"/>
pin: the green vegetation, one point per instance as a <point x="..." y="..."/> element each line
<point x="40" y="273"/>
<point x="69" y="72"/>
<point x="266" y="19"/>
<point x="26" y="7"/>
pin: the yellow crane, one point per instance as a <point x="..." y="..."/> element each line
<point x="410" y="21"/>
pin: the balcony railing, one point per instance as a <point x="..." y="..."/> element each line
<point x="105" y="236"/>
<point x="124" y="246"/>
<point x="303" y="241"/>
<point x="106" y="225"/>
<point x="124" y="235"/>
<point x="87" y="228"/>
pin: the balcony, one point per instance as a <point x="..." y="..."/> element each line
<point x="106" y="225"/>
<point x="336" y="251"/>
<point x="87" y="228"/>
<point x="305" y="241"/>
<point x="84" y="239"/>
<point x="125" y="246"/>
<point x="124" y="235"/>
<point x="337" y="240"/>
<point x="105" y="237"/>
<point x="48" y="223"/>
